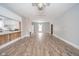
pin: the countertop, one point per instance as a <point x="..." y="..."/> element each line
<point x="8" y="32"/>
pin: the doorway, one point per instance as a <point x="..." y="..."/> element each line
<point x="41" y="27"/>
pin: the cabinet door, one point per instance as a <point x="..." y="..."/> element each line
<point x="1" y="39"/>
<point x="14" y="35"/>
<point x="18" y="34"/>
<point x="6" y="38"/>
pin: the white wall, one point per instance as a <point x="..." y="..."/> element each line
<point x="6" y="12"/>
<point x="26" y="26"/>
<point x="67" y="26"/>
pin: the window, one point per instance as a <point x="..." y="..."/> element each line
<point x="39" y="27"/>
<point x="1" y="24"/>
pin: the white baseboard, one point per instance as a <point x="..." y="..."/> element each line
<point x="70" y="43"/>
<point x="13" y="41"/>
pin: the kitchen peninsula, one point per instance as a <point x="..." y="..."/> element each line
<point x="7" y="36"/>
<point x="10" y="25"/>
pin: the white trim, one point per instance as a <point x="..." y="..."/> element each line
<point x="39" y="21"/>
<point x="13" y="41"/>
<point x="72" y="44"/>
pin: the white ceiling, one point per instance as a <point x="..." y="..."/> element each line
<point x="53" y="11"/>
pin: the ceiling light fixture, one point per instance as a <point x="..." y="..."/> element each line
<point x="40" y="6"/>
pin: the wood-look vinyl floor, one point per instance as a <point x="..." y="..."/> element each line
<point x="40" y="45"/>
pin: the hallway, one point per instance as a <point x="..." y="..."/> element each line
<point x="42" y="44"/>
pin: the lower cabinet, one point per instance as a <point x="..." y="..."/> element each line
<point x="9" y="37"/>
<point x="14" y="35"/>
<point x="4" y="39"/>
<point x="1" y="39"/>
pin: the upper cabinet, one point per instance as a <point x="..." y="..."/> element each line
<point x="8" y="13"/>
